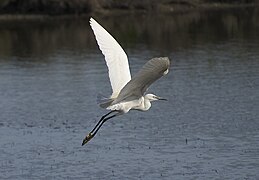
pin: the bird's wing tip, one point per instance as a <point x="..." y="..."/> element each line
<point x="167" y="60"/>
<point x="91" y="20"/>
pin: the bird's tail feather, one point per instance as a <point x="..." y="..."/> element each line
<point x="103" y="101"/>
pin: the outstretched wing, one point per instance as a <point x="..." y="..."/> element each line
<point x="115" y="57"/>
<point x="137" y="86"/>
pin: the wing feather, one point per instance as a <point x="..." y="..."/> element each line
<point x="115" y="57"/>
<point x="150" y="72"/>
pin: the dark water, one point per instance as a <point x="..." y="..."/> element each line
<point x="51" y="72"/>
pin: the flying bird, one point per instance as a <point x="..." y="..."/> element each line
<point x="127" y="93"/>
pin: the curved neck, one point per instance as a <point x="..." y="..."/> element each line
<point x="147" y="104"/>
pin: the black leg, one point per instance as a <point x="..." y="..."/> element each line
<point x="98" y="126"/>
<point x="103" y="123"/>
<point x="102" y="120"/>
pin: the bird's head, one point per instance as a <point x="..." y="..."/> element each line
<point x="152" y="97"/>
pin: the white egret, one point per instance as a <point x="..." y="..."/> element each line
<point x="127" y="94"/>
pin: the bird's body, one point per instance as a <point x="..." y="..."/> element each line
<point x="124" y="107"/>
<point x="131" y="96"/>
<point x="141" y="104"/>
<point x="127" y="94"/>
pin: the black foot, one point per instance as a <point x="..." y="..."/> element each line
<point x="87" y="138"/>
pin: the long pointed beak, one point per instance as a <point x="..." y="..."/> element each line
<point x="163" y="99"/>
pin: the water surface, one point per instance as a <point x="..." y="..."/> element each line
<point x="51" y="72"/>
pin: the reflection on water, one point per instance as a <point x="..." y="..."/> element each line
<point x="51" y="71"/>
<point x="162" y="33"/>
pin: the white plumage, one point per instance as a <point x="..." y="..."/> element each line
<point x="127" y="93"/>
<point x="115" y="57"/>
